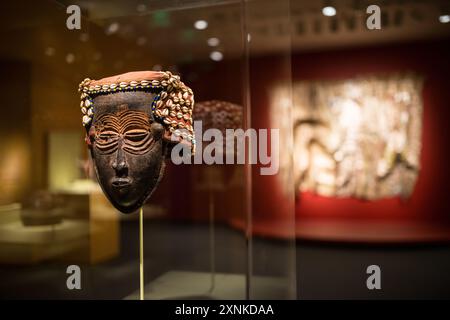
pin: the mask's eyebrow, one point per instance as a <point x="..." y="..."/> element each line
<point x="108" y="122"/>
<point x="135" y="120"/>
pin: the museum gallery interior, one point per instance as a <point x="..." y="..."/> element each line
<point x="120" y="152"/>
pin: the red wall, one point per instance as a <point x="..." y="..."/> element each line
<point x="431" y="197"/>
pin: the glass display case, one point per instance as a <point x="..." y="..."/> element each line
<point x="212" y="229"/>
<point x="320" y="135"/>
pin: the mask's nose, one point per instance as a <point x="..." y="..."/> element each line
<point x="119" y="164"/>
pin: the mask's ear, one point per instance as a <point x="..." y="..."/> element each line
<point x="157" y="130"/>
<point x="89" y="137"/>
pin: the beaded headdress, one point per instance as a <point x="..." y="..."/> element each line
<point x="172" y="105"/>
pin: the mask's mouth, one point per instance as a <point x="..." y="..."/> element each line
<point x="120" y="183"/>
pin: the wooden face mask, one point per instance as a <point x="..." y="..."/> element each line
<point x="130" y="130"/>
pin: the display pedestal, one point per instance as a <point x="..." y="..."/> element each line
<point x="92" y="237"/>
<point x="21" y="244"/>
<point x="192" y="285"/>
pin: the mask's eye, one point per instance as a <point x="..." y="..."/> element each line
<point x="107" y="136"/>
<point x="137" y="141"/>
<point x="136" y="135"/>
<point x="106" y="141"/>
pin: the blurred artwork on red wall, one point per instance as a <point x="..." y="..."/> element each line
<point x="388" y="218"/>
<point x="424" y="213"/>
<point x="358" y="138"/>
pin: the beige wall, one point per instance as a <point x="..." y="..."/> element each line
<point x="15" y="146"/>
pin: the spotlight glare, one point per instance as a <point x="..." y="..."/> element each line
<point x="157" y="67"/>
<point x="445" y="18"/>
<point x="84" y="37"/>
<point x="50" y="51"/>
<point x="329" y="11"/>
<point x="70" y="58"/>
<point x="216" y="55"/>
<point x="213" y="42"/>
<point x="201" y="24"/>
<point x="112" y="28"/>
<point x="141" y="7"/>
<point x="141" y="41"/>
<point x="97" y="56"/>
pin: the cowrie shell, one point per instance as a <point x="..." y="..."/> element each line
<point x="86" y="120"/>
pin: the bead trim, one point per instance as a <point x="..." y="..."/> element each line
<point x="172" y="106"/>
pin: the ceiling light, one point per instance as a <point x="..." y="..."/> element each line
<point x="445" y="18"/>
<point x="216" y="55"/>
<point x="329" y="11"/>
<point x="141" y="7"/>
<point x="70" y="58"/>
<point x="112" y="28"/>
<point x="213" y="42"/>
<point x="84" y="37"/>
<point x="141" y="41"/>
<point x="201" y="24"/>
<point x="50" y="51"/>
<point x="97" y="56"/>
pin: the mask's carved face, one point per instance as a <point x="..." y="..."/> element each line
<point x="127" y="148"/>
